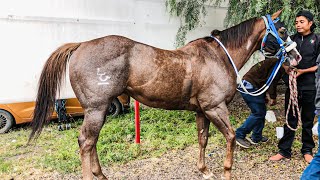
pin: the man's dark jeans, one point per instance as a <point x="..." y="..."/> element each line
<point x="255" y="122"/>
<point x="306" y="104"/>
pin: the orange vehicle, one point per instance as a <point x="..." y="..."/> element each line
<point x="18" y="113"/>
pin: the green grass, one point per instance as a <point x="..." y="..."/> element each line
<point x="58" y="150"/>
<point x="161" y="131"/>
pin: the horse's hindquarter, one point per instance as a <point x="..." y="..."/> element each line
<point x="99" y="69"/>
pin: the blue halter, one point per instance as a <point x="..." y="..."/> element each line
<point x="270" y="29"/>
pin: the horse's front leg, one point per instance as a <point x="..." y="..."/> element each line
<point x="219" y="116"/>
<point x="92" y="124"/>
<point x="203" y="125"/>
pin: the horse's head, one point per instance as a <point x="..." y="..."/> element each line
<point x="274" y="39"/>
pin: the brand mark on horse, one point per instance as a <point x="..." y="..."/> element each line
<point x="103" y="78"/>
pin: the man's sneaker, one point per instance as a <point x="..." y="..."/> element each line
<point x="263" y="140"/>
<point x="243" y="143"/>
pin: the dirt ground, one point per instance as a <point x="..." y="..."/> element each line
<point x="181" y="164"/>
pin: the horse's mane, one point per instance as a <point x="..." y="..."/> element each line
<point x="235" y="36"/>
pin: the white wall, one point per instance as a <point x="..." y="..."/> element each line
<point x="31" y="30"/>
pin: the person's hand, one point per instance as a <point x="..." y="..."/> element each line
<point x="272" y="102"/>
<point x="287" y="69"/>
<point x="298" y="71"/>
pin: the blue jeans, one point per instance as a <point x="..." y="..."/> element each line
<point x="312" y="172"/>
<point x="255" y="122"/>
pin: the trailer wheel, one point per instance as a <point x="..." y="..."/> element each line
<point x="6" y="121"/>
<point x="115" y="108"/>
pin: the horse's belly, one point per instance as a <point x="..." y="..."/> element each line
<point x="165" y="97"/>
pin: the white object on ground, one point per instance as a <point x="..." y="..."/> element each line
<point x="270" y="116"/>
<point x="315" y="129"/>
<point x="280" y="132"/>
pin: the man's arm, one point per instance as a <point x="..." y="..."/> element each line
<point x="308" y="70"/>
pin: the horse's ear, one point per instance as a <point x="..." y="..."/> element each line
<point x="276" y="14"/>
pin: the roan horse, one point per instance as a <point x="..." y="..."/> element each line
<point x="197" y="77"/>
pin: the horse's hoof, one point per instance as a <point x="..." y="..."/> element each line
<point x="209" y="176"/>
<point x="224" y="177"/>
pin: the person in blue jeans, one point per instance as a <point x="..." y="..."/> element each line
<point x="254" y="79"/>
<point x="312" y="172"/>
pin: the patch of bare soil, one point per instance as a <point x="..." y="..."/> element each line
<point x="181" y="164"/>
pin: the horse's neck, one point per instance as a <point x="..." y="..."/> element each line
<point x="242" y="54"/>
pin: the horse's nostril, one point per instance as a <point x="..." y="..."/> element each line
<point x="298" y="57"/>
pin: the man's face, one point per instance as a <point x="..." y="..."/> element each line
<point x="303" y="25"/>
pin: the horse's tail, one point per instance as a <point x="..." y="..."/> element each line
<point x="49" y="83"/>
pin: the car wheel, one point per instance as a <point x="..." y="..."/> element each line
<point x="115" y="108"/>
<point x="6" y="121"/>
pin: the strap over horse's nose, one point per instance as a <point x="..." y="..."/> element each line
<point x="271" y="29"/>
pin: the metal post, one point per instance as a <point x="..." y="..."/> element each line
<point x="137" y="120"/>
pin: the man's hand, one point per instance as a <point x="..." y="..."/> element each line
<point x="299" y="72"/>
<point x="287" y="69"/>
<point x="272" y="102"/>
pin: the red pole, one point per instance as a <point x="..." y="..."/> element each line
<point x="137" y="120"/>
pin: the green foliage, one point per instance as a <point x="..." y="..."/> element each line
<point x="240" y="11"/>
<point x="192" y="12"/>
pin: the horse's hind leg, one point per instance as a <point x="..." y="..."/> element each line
<point x="220" y="117"/>
<point x="93" y="122"/>
<point x="203" y="130"/>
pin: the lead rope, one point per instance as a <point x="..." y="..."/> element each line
<point x="293" y="100"/>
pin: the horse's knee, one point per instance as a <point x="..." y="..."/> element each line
<point x="81" y="140"/>
<point x="231" y="137"/>
<point x="85" y="145"/>
<point x="203" y="140"/>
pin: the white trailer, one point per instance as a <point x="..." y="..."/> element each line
<point x="31" y="30"/>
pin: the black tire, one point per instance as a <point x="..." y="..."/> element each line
<point x="6" y="121"/>
<point x="115" y="108"/>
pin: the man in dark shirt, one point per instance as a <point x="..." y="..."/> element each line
<point x="308" y="46"/>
